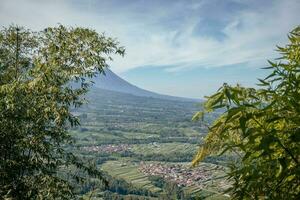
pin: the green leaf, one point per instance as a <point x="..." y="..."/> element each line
<point x="198" y="115"/>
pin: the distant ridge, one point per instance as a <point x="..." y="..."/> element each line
<point x="111" y="81"/>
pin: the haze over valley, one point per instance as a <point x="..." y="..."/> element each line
<point x="146" y="139"/>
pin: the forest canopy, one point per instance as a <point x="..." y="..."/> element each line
<point x="38" y="71"/>
<point x="262" y="127"/>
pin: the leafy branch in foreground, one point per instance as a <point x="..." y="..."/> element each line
<point x="38" y="71"/>
<point x="263" y="126"/>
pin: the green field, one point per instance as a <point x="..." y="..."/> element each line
<point x="129" y="171"/>
<point x="153" y="131"/>
<point x="164" y="148"/>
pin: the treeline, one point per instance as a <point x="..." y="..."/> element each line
<point x="190" y="140"/>
<point x="178" y="157"/>
<point x="102" y="157"/>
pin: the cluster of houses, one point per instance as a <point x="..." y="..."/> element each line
<point x="180" y="174"/>
<point x="109" y="148"/>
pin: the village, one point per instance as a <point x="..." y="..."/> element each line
<point x="180" y="174"/>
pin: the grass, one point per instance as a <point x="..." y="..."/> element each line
<point x="165" y="148"/>
<point x="129" y="172"/>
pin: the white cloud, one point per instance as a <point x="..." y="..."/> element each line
<point x="251" y="37"/>
<point x="150" y="41"/>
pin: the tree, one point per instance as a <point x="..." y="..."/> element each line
<point x="262" y="127"/>
<point x="38" y="71"/>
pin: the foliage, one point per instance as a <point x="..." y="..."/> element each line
<point x="262" y="126"/>
<point x="42" y="75"/>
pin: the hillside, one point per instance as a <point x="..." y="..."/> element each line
<point x="111" y="81"/>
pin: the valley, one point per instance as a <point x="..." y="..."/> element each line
<point x="145" y="146"/>
<point x="149" y="100"/>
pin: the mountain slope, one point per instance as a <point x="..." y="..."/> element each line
<point x="132" y="108"/>
<point x="110" y="81"/>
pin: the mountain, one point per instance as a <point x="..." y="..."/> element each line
<point x="112" y="82"/>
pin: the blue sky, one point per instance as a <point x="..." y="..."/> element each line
<point x="176" y="47"/>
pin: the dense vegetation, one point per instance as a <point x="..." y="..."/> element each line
<point x="37" y="70"/>
<point x="262" y="126"/>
